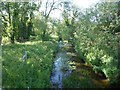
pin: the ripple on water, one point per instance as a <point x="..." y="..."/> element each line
<point x="60" y="70"/>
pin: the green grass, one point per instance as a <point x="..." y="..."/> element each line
<point x="34" y="72"/>
<point x="76" y="80"/>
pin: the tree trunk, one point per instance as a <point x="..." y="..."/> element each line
<point x="44" y="32"/>
<point x="119" y="8"/>
<point x="12" y="39"/>
<point x="0" y="40"/>
<point x="9" y="16"/>
<point x="0" y="33"/>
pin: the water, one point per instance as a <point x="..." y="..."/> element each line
<point x="61" y="68"/>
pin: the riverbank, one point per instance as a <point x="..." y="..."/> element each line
<point x="34" y="72"/>
<point x="83" y="75"/>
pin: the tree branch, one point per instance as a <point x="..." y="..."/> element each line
<point x="51" y="8"/>
<point x="46" y="7"/>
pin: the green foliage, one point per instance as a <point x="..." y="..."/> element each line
<point x="34" y="72"/>
<point x="17" y="21"/>
<point x="96" y="41"/>
<point x="94" y="32"/>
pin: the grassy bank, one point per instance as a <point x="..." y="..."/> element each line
<point x="83" y="78"/>
<point x="78" y="81"/>
<point x="34" y="72"/>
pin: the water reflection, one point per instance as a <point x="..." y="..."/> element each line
<point x="61" y="67"/>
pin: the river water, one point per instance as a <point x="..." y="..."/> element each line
<point x="61" y="67"/>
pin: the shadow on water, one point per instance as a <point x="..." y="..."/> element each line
<point x="98" y="80"/>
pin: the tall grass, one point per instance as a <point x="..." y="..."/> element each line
<point x="34" y="72"/>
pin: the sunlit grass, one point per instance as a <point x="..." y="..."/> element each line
<point x="35" y="71"/>
<point x="30" y="43"/>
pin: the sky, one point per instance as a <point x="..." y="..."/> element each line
<point x="80" y="3"/>
<point x="84" y="3"/>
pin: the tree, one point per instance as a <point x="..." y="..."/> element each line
<point x="26" y="21"/>
<point x="0" y="28"/>
<point x="70" y="15"/>
<point x="49" y="7"/>
<point x="97" y="39"/>
<point x="17" y="20"/>
<point x="0" y="35"/>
